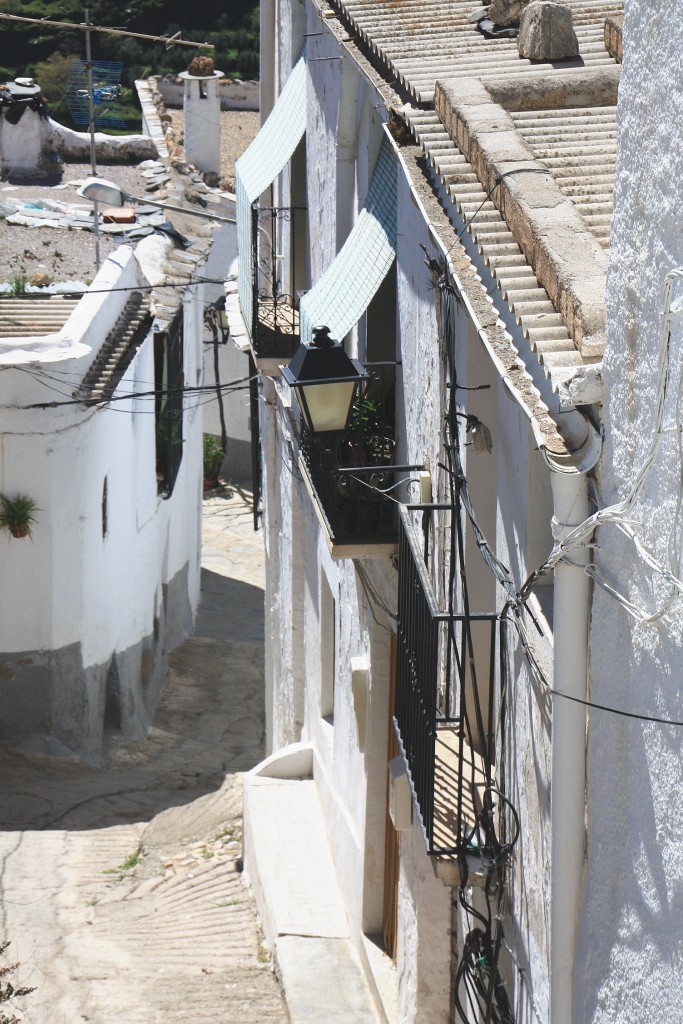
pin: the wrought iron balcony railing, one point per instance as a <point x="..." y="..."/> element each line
<point x="444" y="705"/>
<point x="354" y="479"/>
<point x="275" y="256"/>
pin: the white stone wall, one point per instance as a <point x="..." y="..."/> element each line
<point x="233" y="94"/>
<point x="629" y="957"/>
<point x="233" y="364"/>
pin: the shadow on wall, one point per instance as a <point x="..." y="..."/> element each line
<point x="632" y="913"/>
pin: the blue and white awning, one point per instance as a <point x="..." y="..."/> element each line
<point x="260" y="165"/>
<point x="343" y="293"/>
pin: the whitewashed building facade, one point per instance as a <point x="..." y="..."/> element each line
<point x="102" y="429"/>
<point x="444" y="207"/>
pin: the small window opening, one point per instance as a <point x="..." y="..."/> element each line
<point x="168" y="405"/>
<point x="328" y="616"/>
<point x="105" y="488"/>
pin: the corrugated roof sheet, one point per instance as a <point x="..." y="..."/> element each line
<point x="34" y="317"/>
<point x="421" y="41"/>
<point x="579" y="148"/>
<point x="527" y="299"/>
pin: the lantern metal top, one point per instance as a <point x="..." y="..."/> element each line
<point x="324" y="361"/>
<point x="325" y="381"/>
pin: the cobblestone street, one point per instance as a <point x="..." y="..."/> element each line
<point x="121" y="889"/>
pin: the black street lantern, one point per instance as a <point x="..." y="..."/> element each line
<point x="325" y="381"/>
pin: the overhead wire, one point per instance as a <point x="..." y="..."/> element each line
<point x="480" y="949"/>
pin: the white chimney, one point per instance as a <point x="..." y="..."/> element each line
<point x="202" y="109"/>
<point x="27" y="150"/>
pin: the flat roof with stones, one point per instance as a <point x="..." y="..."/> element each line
<point x="524" y="152"/>
<point x="422" y="41"/>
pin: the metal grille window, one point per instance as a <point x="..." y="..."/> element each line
<point x="275" y="318"/>
<point x="168" y="404"/>
<point x="256" y="170"/>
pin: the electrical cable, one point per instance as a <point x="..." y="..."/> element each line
<point x="371" y="592"/>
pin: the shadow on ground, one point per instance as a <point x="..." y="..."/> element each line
<point x="210" y="722"/>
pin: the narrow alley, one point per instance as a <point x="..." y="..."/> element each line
<point x="121" y="888"/>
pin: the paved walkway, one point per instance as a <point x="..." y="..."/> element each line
<point x="121" y="889"/>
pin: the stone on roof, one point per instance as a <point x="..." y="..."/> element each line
<point x="546" y="32"/>
<point x="506" y="12"/>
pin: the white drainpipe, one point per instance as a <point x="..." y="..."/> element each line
<point x="571" y="608"/>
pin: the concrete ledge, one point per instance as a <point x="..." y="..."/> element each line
<point x="614" y="43"/>
<point x="559" y="246"/>
<point x="592" y="88"/>
<point x="293" y="762"/>
<point x="290" y="868"/>
<point x="323" y="982"/>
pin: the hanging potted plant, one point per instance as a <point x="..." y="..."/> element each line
<point x="18" y="514"/>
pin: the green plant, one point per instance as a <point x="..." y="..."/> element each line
<point x="17" y="285"/>
<point x="370" y="436"/>
<point x="18" y="514"/>
<point x="128" y="864"/>
<point x="213" y="457"/>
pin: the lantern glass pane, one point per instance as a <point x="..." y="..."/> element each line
<point x="329" y="404"/>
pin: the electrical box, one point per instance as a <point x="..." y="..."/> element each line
<point x="425" y="482"/>
<point x="400" y="797"/>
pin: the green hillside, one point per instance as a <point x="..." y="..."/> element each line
<point x="231" y="25"/>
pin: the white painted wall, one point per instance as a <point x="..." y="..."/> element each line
<point x="70" y="584"/>
<point x="233" y="364"/>
<point x="629" y="957"/>
<point x="26" y="147"/>
<point x="202" y="122"/>
<point x="344" y="132"/>
<point x="232" y="93"/>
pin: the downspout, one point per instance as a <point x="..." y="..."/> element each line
<point x="571" y="610"/>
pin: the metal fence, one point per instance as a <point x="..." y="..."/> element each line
<point x="275" y="238"/>
<point x="445" y="663"/>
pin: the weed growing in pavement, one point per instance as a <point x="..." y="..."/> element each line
<point x="229" y="832"/>
<point x="128" y="864"/>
